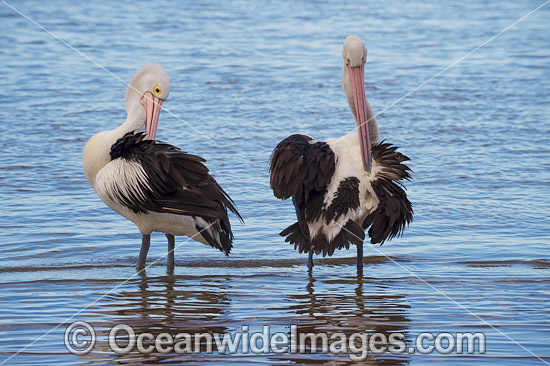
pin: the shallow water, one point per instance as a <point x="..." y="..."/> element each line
<point x="247" y="75"/>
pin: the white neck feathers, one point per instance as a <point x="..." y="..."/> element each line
<point x="96" y="153"/>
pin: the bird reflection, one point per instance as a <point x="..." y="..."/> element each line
<point x="224" y="303"/>
<point x="168" y="304"/>
<point x="349" y="305"/>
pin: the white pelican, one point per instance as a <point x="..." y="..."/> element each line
<point x="155" y="185"/>
<point x="340" y="187"/>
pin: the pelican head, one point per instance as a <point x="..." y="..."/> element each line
<point x="150" y="87"/>
<point x="354" y="53"/>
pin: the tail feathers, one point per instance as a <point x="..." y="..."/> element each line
<point x="227" y="203"/>
<point x="351" y="233"/>
<point x="217" y="235"/>
<point x="295" y="236"/>
<point x="226" y="237"/>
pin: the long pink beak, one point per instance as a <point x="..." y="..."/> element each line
<point x="152" y="107"/>
<point x="357" y="76"/>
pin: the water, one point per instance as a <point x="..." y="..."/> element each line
<point x="247" y="75"/>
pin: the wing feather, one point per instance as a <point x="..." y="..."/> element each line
<point x="302" y="168"/>
<point x="394" y="210"/>
<point x="178" y="183"/>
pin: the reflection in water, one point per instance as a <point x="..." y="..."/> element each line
<point x="372" y="311"/>
<point x="185" y="304"/>
<point x="349" y="305"/>
<point x="168" y="304"/>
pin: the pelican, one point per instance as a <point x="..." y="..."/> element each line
<point x="155" y="185"/>
<point x="342" y="186"/>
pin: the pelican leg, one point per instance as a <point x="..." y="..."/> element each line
<point x="360" y="258"/>
<point x="310" y="261"/>
<point x="170" y="260"/>
<point x="145" y="243"/>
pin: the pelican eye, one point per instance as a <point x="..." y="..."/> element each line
<point x="348" y="60"/>
<point x="157" y="90"/>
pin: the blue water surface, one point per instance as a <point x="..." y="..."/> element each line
<point x="244" y="75"/>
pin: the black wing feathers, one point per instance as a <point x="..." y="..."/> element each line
<point x="394" y="211"/>
<point x="350" y="234"/>
<point x="346" y="198"/>
<point x="300" y="165"/>
<point x="287" y="166"/>
<point x="302" y="168"/>
<point x="178" y="183"/>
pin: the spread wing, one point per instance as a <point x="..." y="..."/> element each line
<point x="394" y="210"/>
<point x="300" y="165"/>
<point x="302" y="168"/>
